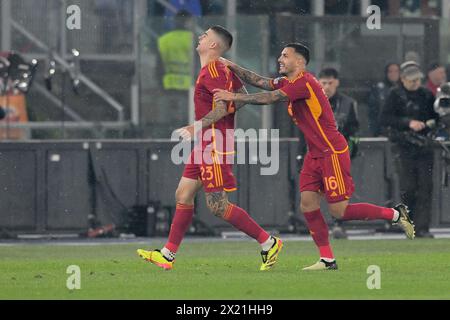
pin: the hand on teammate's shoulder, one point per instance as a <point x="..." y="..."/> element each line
<point x="226" y="62"/>
<point x="222" y="95"/>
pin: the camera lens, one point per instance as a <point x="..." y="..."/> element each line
<point x="444" y="103"/>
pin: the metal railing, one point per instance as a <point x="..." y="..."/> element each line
<point x="12" y="28"/>
<point x="83" y="79"/>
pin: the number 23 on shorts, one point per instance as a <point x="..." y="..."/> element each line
<point x="207" y="173"/>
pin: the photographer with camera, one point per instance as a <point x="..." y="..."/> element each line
<point x="442" y="106"/>
<point x="409" y="117"/>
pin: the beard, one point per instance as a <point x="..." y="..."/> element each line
<point x="285" y="71"/>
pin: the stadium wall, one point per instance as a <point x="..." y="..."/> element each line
<point x="52" y="187"/>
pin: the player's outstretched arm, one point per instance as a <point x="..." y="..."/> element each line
<point x="248" y="76"/>
<point x="261" y="98"/>
<point x="239" y="105"/>
<point x="213" y="116"/>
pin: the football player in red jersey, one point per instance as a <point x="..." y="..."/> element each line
<point x="210" y="165"/>
<point x="326" y="169"/>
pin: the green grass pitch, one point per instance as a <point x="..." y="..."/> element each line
<point x="418" y="269"/>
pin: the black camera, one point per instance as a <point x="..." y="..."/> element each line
<point x="442" y="99"/>
<point x="16" y="73"/>
<point x="444" y="103"/>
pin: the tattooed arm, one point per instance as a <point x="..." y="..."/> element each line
<point x="219" y="111"/>
<point x="260" y="98"/>
<point x="249" y="77"/>
<point x="239" y="105"/>
<point x="213" y="116"/>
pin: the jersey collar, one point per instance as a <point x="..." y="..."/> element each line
<point x="301" y="74"/>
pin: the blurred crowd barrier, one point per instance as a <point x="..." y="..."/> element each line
<point x="58" y="187"/>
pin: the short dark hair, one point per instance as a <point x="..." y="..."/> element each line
<point x="329" y="73"/>
<point x="433" y="66"/>
<point x="300" y="49"/>
<point x="224" y="34"/>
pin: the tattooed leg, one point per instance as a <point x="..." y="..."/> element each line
<point x="217" y="203"/>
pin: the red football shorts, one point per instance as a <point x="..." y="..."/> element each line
<point x="329" y="175"/>
<point x="213" y="169"/>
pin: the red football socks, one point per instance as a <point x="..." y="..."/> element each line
<point x="366" y="211"/>
<point x="180" y="223"/>
<point x="319" y="232"/>
<point x="242" y="221"/>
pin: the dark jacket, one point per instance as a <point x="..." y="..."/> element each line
<point x="377" y="99"/>
<point x="344" y="109"/>
<point x="400" y="108"/>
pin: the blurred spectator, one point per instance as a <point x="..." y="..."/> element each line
<point x="342" y="7"/>
<point x="176" y="51"/>
<point x="414" y="8"/>
<point x="344" y="107"/>
<point x="192" y="6"/>
<point x="410" y="8"/>
<point x="345" y="113"/>
<point x="383" y="4"/>
<point x="273" y="7"/>
<point x="196" y="8"/>
<point x="419" y="8"/>
<point x="378" y="96"/>
<point x="408" y="109"/>
<point x="436" y="77"/>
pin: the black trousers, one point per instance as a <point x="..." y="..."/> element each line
<point x="415" y="170"/>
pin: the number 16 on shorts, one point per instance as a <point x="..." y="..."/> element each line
<point x="330" y="183"/>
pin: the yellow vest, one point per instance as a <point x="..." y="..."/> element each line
<point x="175" y="48"/>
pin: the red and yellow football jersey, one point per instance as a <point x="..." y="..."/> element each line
<point x="216" y="75"/>
<point x="311" y="112"/>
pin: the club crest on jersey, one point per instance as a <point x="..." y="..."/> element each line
<point x="277" y="80"/>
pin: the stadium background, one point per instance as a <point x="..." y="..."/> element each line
<point x="103" y="152"/>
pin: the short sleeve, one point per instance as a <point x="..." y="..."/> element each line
<point x="220" y="77"/>
<point x="217" y="78"/>
<point x="296" y="90"/>
<point x="237" y="83"/>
